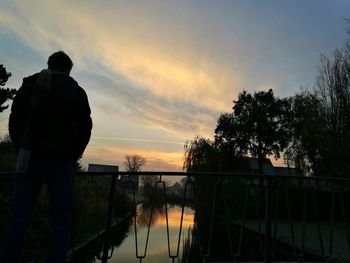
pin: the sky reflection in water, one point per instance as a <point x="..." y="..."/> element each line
<point x="157" y="250"/>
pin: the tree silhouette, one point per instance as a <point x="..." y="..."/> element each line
<point x="333" y="91"/>
<point x="258" y="125"/>
<point x="134" y="163"/>
<point x="308" y="132"/>
<point x="5" y="93"/>
<point x="200" y="155"/>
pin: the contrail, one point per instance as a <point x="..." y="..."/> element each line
<point x="135" y="140"/>
<point x="124" y="139"/>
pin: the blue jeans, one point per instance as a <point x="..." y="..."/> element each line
<point x="58" y="176"/>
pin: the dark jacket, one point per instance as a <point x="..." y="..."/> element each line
<point x="60" y="126"/>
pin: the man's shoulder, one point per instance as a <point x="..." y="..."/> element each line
<point x="27" y="85"/>
<point x="74" y="88"/>
<point x="30" y="80"/>
<point x="72" y="80"/>
<point x="76" y="85"/>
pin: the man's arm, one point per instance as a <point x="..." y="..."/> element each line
<point x="83" y="124"/>
<point x="19" y="113"/>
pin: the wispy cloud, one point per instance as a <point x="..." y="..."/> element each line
<point x="136" y="140"/>
<point x="120" y="98"/>
<point x="163" y="71"/>
<point x="171" y="73"/>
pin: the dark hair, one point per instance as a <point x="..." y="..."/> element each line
<point x="60" y="61"/>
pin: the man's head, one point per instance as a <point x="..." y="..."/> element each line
<point x="60" y="61"/>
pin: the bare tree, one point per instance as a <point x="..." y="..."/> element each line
<point x="134" y="162"/>
<point x="333" y="91"/>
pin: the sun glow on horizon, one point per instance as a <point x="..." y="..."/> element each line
<point x="111" y="154"/>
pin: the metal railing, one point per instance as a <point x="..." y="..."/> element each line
<point x="238" y="217"/>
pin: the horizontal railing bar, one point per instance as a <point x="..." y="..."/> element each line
<point x="218" y="174"/>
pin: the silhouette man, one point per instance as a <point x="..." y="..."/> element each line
<point x="60" y="128"/>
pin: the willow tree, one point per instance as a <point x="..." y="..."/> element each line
<point x="200" y="155"/>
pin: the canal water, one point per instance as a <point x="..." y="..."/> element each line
<point x="157" y="248"/>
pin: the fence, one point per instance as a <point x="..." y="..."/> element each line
<point x="238" y="217"/>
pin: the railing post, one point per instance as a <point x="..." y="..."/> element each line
<point x="107" y="234"/>
<point x="268" y="204"/>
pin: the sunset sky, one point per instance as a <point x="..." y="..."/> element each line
<point x="160" y="72"/>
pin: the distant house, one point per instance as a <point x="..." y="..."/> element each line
<point x="127" y="179"/>
<point x="285" y="171"/>
<point x="176" y="190"/>
<point x="130" y="180"/>
<point x="103" y="180"/>
<point x="102" y="168"/>
<point x="268" y="168"/>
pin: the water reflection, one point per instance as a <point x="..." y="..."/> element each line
<point x="157" y="249"/>
<point x="144" y="212"/>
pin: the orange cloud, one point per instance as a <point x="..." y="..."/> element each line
<point x="140" y="53"/>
